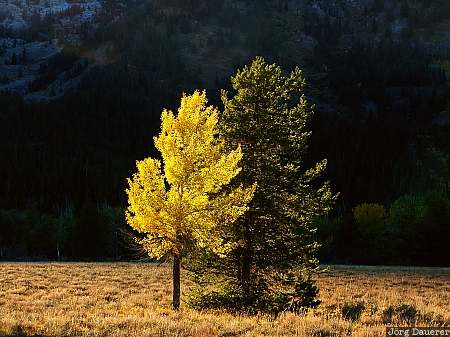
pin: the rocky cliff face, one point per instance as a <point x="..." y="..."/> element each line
<point x="32" y="37"/>
<point x="213" y="35"/>
<point x="19" y="15"/>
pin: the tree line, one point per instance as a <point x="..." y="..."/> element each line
<point x="373" y="116"/>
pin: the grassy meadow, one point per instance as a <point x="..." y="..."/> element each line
<point x="80" y="299"/>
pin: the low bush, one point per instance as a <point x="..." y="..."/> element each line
<point x="352" y="311"/>
<point x="401" y="314"/>
<point x="407" y="313"/>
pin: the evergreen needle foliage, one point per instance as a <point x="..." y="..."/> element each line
<point x="269" y="271"/>
<point x="182" y="202"/>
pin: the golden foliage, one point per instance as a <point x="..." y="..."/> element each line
<point x="183" y="200"/>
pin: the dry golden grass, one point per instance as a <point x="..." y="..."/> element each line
<point x="133" y="300"/>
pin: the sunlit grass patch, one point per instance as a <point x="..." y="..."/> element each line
<point x="134" y="300"/>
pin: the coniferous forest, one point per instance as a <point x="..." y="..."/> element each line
<point x="376" y="78"/>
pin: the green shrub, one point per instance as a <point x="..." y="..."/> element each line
<point x="405" y="218"/>
<point x="414" y="219"/>
<point x="407" y="212"/>
<point x="25" y="233"/>
<point x="435" y="229"/>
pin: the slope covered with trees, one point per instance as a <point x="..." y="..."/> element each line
<point x="376" y="72"/>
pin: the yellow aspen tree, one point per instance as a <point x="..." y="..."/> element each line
<point x="182" y="202"/>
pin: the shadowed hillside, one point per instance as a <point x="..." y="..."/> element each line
<point x="377" y="72"/>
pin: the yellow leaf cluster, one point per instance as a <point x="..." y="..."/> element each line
<point x="185" y="199"/>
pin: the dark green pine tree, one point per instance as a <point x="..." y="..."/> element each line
<point x="271" y="268"/>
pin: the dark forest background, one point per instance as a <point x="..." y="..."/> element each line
<point x="380" y="96"/>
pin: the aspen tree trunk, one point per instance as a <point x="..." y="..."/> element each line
<point x="176" y="270"/>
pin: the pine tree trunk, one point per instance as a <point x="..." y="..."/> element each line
<point x="246" y="265"/>
<point x="176" y="281"/>
<point x="247" y="257"/>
